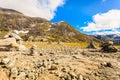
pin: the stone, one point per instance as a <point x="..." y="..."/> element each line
<point x="53" y="67"/>
<point x="3" y="76"/>
<point x="59" y="74"/>
<point x="42" y="69"/>
<point x="67" y="77"/>
<point x="72" y="74"/>
<point x="51" y="53"/>
<point x="13" y="46"/>
<point x="64" y="69"/>
<point x="14" y="73"/>
<point x="31" y="76"/>
<point x="22" y="48"/>
<point x="91" y="45"/>
<point x="5" y="61"/>
<point x="7" y="41"/>
<point x="107" y="64"/>
<point x="11" y="64"/>
<point x="80" y="77"/>
<point x="108" y="47"/>
<point x="22" y="75"/>
<point x="33" y="50"/>
<point x="45" y="64"/>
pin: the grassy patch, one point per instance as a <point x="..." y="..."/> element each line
<point x="54" y="44"/>
<point x="117" y="46"/>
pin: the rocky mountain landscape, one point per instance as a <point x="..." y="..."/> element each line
<point x="106" y="37"/>
<point x="36" y="49"/>
<point x="40" y="29"/>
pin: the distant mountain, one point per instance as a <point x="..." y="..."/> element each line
<point x="107" y="37"/>
<point x="40" y="29"/>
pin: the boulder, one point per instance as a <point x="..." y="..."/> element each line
<point x="7" y="41"/>
<point x="22" y="48"/>
<point x="13" y="46"/>
<point x="108" y="47"/>
<point x="13" y="35"/>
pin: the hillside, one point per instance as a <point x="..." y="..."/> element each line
<point x="40" y="29"/>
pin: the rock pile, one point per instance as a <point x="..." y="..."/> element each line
<point x="33" y="50"/>
<point x="12" y="42"/>
<point x="108" y="47"/>
<point x="91" y="45"/>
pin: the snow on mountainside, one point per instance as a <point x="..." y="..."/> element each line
<point x="107" y="37"/>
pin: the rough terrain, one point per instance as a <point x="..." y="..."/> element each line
<point x="60" y="63"/>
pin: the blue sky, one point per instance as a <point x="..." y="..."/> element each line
<point x="87" y="16"/>
<point x="79" y="12"/>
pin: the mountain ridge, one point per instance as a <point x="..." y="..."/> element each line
<point x="41" y="29"/>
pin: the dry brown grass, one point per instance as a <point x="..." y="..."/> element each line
<point x="54" y="44"/>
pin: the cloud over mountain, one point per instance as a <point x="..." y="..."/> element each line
<point x="34" y="8"/>
<point x="105" y="21"/>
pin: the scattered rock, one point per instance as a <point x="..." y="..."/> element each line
<point x="31" y="76"/>
<point x="51" y="53"/>
<point x="107" y="64"/>
<point x="72" y="74"/>
<point x="14" y="73"/>
<point x="5" y="61"/>
<point x="22" y="75"/>
<point x="11" y="64"/>
<point x="53" y="67"/>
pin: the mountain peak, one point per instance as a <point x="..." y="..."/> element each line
<point x="40" y="28"/>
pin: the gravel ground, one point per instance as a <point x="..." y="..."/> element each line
<point x="60" y="63"/>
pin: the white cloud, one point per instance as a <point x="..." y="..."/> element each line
<point x="34" y="8"/>
<point x="107" y="32"/>
<point x="104" y="21"/>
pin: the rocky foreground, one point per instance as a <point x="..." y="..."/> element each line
<point x="60" y="63"/>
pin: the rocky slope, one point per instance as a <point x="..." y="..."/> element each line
<point x="40" y="29"/>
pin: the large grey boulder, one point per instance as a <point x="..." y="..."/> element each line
<point x="108" y="47"/>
